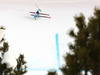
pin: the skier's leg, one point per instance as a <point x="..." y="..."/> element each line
<point x="35" y="17"/>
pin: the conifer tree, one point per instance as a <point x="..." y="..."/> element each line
<point x="4" y="70"/>
<point x="78" y="61"/>
<point x="3" y="49"/>
<point x="94" y="43"/>
<point x="86" y="47"/>
<point x="21" y="67"/>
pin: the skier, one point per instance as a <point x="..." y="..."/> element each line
<point x="37" y="14"/>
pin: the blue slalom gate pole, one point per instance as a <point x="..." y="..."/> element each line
<point x="57" y="48"/>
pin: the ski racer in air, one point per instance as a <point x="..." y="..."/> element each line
<point x="38" y="14"/>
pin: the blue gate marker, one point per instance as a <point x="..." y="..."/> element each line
<point x="57" y="47"/>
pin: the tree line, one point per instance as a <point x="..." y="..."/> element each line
<point x="84" y="55"/>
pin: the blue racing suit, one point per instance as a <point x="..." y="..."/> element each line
<point x="37" y="14"/>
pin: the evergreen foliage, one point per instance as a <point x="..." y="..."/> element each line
<point x="21" y="67"/>
<point x="52" y="73"/>
<point x="86" y="47"/>
<point x="3" y="66"/>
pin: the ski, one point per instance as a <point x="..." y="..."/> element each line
<point x="42" y="16"/>
<point x="41" y="13"/>
<point x="45" y="16"/>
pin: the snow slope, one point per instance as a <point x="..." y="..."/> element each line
<point x="36" y="38"/>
